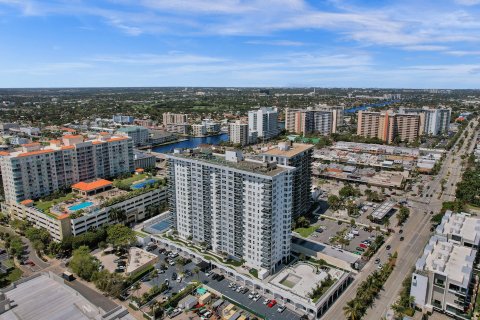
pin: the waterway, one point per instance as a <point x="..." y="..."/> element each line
<point x="191" y="142"/>
<point x="372" y="105"/>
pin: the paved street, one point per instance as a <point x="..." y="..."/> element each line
<point x="413" y="248"/>
<point x="416" y="234"/>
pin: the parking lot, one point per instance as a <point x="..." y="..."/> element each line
<point x="330" y="229"/>
<point x="258" y="306"/>
<point x="220" y="286"/>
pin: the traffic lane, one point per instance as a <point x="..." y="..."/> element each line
<point x="93" y="296"/>
<point x="242" y="299"/>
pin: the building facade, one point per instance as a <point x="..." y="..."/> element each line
<point x="264" y="122"/>
<point x="174" y="118"/>
<point x="296" y="155"/>
<point x="323" y="120"/>
<point x="443" y="278"/>
<point x="240" y="208"/>
<point x="123" y="119"/>
<point x="388" y="126"/>
<point x="435" y="121"/>
<point x="36" y="172"/>
<point x="140" y="135"/>
<point x="238" y="133"/>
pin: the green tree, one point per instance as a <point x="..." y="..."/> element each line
<point x="111" y="284"/>
<point x="117" y="215"/>
<point x="334" y="202"/>
<point x="83" y="263"/>
<point x="120" y="235"/>
<point x="352" y="310"/>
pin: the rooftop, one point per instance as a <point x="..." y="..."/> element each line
<point x="93" y="185"/>
<point x="248" y="165"/>
<point x="461" y="225"/>
<point x="454" y="261"/>
<point x="131" y="129"/>
<point x="56" y="145"/>
<point x="46" y="297"/>
<point x="290" y="151"/>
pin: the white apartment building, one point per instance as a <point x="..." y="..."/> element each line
<point x="37" y="171"/>
<point x="238" y="133"/>
<point x="264" y="122"/>
<point x="442" y="280"/>
<point x="139" y="135"/>
<point x="460" y="228"/>
<point x="242" y="208"/>
<point x="298" y="155"/>
<point x="434" y="121"/>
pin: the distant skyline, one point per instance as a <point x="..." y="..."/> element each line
<point x="261" y="43"/>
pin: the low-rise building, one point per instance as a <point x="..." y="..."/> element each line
<point x="89" y="206"/>
<point x="460" y="228"/>
<point x="443" y="276"/>
<point x="45" y="296"/>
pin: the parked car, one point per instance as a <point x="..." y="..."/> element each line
<point x="266" y="301"/>
<point x="402" y="238"/>
<point x="359" y="249"/>
<point x="271" y="303"/>
<point x="377" y="261"/>
<point x="257" y="297"/>
<point x="280" y="309"/>
<point x="221" y="277"/>
<point x="388" y="247"/>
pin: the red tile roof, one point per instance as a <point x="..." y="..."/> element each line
<point x="89" y="186"/>
<point x="33" y="153"/>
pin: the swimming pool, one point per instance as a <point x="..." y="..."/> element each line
<point x="80" y="206"/>
<point x="143" y="184"/>
<point x="160" y="226"/>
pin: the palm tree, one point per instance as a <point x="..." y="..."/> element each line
<point x="153" y="308"/>
<point x="136" y="286"/>
<point x="352" y="310"/>
<point x="196" y="271"/>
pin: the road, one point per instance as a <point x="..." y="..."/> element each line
<point x="452" y="172"/>
<point x="416" y="234"/>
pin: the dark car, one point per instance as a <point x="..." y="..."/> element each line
<point x="174" y="276"/>
<point x="220" y="278"/>
<point x="215" y="276"/>
<point x="400" y="231"/>
<point x="402" y="238"/>
<point x="388" y="247"/>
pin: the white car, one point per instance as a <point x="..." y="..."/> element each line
<point x="266" y="301"/>
<point x="239" y="289"/>
<point x="251" y="295"/>
<point x="256" y="298"/>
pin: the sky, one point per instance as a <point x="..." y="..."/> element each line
<point x="241" y="43"/>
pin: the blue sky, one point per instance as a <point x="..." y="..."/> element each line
<point x="335" y="43"/>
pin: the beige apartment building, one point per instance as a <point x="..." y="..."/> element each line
<point x="389" y="126"/>
<point x="323" y="120"/>
<point x="174" y="118"/>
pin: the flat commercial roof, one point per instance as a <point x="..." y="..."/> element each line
<point x="295" y="149"/>
<point x="44" y="298"/>
<point x="328" y="250"/>
<point x="383" y="209"/>
<point x="90" y="186"/>
<point x="462" y="225"/>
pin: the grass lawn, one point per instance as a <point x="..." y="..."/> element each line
<point x="46" y="205"/>
<point x="14" y="275"/>
<point x="234" y="262"/>
<point x="132" y="179"/>
<point x="305" y="232"/>
<point x="253" y="272"/>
